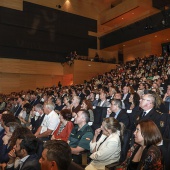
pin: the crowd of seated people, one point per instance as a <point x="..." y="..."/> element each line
<point x="132" y="96"/>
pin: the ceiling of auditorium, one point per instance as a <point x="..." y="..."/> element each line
<point x="97" y="8"/>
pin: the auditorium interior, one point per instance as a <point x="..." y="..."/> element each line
<point x="35" y="40"/>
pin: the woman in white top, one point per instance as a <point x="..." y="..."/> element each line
<point x="107" y="149"/>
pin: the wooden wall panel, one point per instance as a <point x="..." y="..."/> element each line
<point x="67" y="79"/>
<point x="17" y="75"/>
<point x="156" y="48"/>
<point x="17" y="82"/>
<point x="86" y="70"/>
<point x="30" y="67"/>
<point x="9" y="82"/>
<point x="14" y="4"/>
<point x="139" y="50"/>
<point x="67" y="69"/>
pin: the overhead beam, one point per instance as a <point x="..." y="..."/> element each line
<point x="119" y="10"/>
<point x="14" y="4"/>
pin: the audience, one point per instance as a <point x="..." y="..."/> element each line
<point x="7" y="140"/>
<point x="118" y="113"/>
<point x="75" y="105"/>
<point x="107" y="149"/>
<point x="131" y="92"/>
<point x="148" y="103"/>
<point x="49" y="123"/>
<point x="24" y="149"/>
<point x="145" y="154"/>
<point x="57" y="156"/>
<point x="80" y="136"/>
<point x="65" y="126"/>
<point x="24" y="116"/>
<point x="103" y="101"/>
<point x="86" y="105"/>
<point x="134" y="110"/>
<point x="37" y="116"/>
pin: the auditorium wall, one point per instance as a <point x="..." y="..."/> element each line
<point x="17" y="75"/>
<point x="140" y="50"/>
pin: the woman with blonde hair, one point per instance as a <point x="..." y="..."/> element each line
<point x="107" y="149"/>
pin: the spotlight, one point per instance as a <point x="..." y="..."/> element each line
<point x="163" y="22"/>
<point x="146" y="27"/>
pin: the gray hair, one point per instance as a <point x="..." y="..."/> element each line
<point x="152" y="97"/>
<point x="118" y="102"/>
<point x="50" y="105"/>
<point x="39" y="106"/>
<point x="86" y="115"/>
<point x="77" y="98"/>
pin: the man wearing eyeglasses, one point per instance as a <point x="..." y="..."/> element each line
<point x="162" y="120"/>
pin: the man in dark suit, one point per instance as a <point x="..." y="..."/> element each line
<point x="18" y="107"/>
<point x="37" y="118"/>
<point x="25" y="149"/>
<point x="125" y="96"/>
<point x="34" y="99"/>
<point x="57" y="156"/>
<point x="118" y="113"/>
<point x="80" y="94"/>
<point x="112" y="92"/>
<point x="147" y="103"/>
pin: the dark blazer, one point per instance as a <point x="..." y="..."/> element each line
<point x="35" y="102"/>
<point x="36" y="123"/>
<point x="136" y="111"/>
<point x="82" y="97"/>
<point x="2" y="133"/>
<point x="32" y="163"/>
<point x="162" y="120"/>
<point x="99" y="115"/>
<point x="4" y="153"/>
<point x="123" y="117"/>
<point x="126" y="101"/>
<point x="17" y="110"/>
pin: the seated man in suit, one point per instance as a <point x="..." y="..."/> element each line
<point x="34" y="99"/>
<point x="37" y="117"/>
<point x="148" y="103"/>
<point x="25" y="149"/>
<point x="166" y="99"/>
<point x="125" y="96"/>
<point x="112" y="92"/>
<point x="103" y="102"/>
<point x="118" y="113"/>
<point x="18" y="107"/>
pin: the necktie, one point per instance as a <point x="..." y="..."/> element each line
<point x="144" y="113"/>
